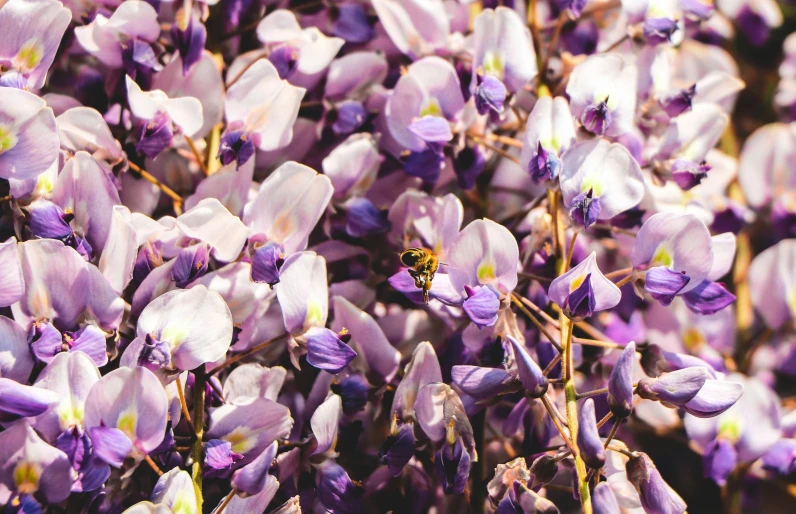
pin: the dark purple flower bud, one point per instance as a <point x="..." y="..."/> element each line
<point x="655" y="494"/>
<point x="733" y="218"/>
<point x="620" y="383"/>
<point x="89" y="340"/>
<point x="352" y="24"/>
<point x="426" y="164"/>
<point x="781" y="458"/>
<point x="350" y="116"/>
<point x="653" y="361"/>
<point x="363" y="218"/>
<point x="139" y="61"/>
<point x="284" y="58"/>
<point x="266" y="262"/>
<point x="663" y="284"/>
<point x="190" y="264"/>
<point x="482" y="305"/>
<point x="544" y="165"/>
<point x="155" y="355"/>
<point x="678" y="103"/>
<point x="783" y="219"/>
<point x="675" y="388"/>
<point x="544" y="469"/>
<point x="469" y="164"/>
<point x="110" y="444"/>
<point x="659" y="30"/>
<point x="235" y="146"/>
<point x="597" y="118"/>
<point x="718" y="460"/>
<point x="156" y="135"/>
<point x="48" y="221"/>
<point x="604" y="500"/>
<point x="326" y="351"/>
<point x="190" y="42"/>
<point x="149" y="257"/>
<point x="490" y="93"/>
<point x="753" y="25"/>
<point x="585" y="209"/>
<point x="589" y="443"/>
<point x="531" y="376"/>
<point x="708" y="298"/>
<point x="688" y="174"/>
<point x="631" y="218"/>
<point x="253" y="477"/>
<point x="398" y="449"/>
<point x="452" y="463"/>
<point x="581" y="302"/>
<point x="219" y="455"/>
<point x="483" y="383"/>
<point x="580" y="38"/>
<point x="337" y="492"/>
<point x="19" y="401"/>
<point x="92" y="472"/>
<point x="45" y="341"/>
<point x="353" y="391"/>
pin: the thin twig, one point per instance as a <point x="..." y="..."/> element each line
<point x="571" y="250"/>
<point x="619" y="273"/>
<point x="597" y="342"/>
<point x="516" y="299"/>
<point x="558" y="425"/>
<point x="625" y="280"/>
<point x="552" y="364"/>
<point x="612" y="433"/>
<point x="183" y="405"/>
<point x="501" y="152"/>
<point x="227" y="499"/>
<point x="553" y="41"/>
<point x="533" y="276"/>
<point x="506" y="140"/>
<point x="198" y="157"/>
<point x="605" y="420"/>
<point x="616" y="44"/>
<point x="154" y="466"/>
<point x="151" y="179"/>
<point x="243" y="355"/>
<point x="596" y="392"/>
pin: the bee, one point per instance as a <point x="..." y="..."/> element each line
<point x="423" y="265"/>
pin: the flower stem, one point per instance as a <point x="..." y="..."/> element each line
<point x="152" y="180"/>
<point x="572" y="414"/>
<point x="516" y="299"/>
<point x="243" y="355"/>
<point x="197" y="156"/>
<point x="153" y="465"/>
<point x="199" y="428"/>
<point x="183" y="404"/>
<point x="625" y="280"/>
<point x="227" y="499"/>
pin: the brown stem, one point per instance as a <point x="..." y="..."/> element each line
<point x="589" y="394"/>
<point x="625" y="280"/>
<point x="501" y="152"/>
<point x="619" y="273"/>
<point x="611" y="228"/>
<point x="616" y="44"/>
<point x="552" y="364"/>
<point x="154" y="466"/>
<point x="183" y="405"/>
<point x="227" y="499"/>
<point x="506" y="140"/>
<point x="558" y="425"/>
<point x="605" y="420"/>
<point x="151" y="179"/>
<point x="597" y="342"/>
<point x="571" y="250"/>
<point x="243" y="355"/>
<point x="516" y="299"/>
<point x="195" y="152"/>
<point x="612" y="433"/>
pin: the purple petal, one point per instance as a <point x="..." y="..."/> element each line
<point x="363" y="218"/>
<point x="589" y="442"/>
<point x="155" y="136"/>
<point x="45" y="341"/>
<point x="489" y="95"/>
<point x="398" y="449"/>
<point x="325" y="422"/>
<point x="219" y="455"/>
<point x="719" y="460"/>
<point x="482" y="306"/>
<point x="350" y="116"/>
<point x="352" y="24"/>
<point x="482" y="383"/>
<point x="597" y="118"/>
<point x="604" y="500"/>
<point x="19" y="401"/>
<point x="253" y="478"/>
<point x="708" y="298"/>
<point x="326" y="351"/>
<point x="715" y="397"/>
<point x="191" y="263"/>
<point x="664" y="284"/>
<point x="452" y="464"/>
<point x="531" y="376"/>
<point x="677" y="387"/>
<point x="620" y="383"/>
<point x="425" y="164"/>
<point x="585" y="209"/>
<point x="236" y="146"/>
<point x="189" y="42"/>
<point x="659" y="30"/>
<point x="91" y="341"/>
<point x="432" y="129"/>
<point x="336" y="491"/>
<point x="655" y="494"/>
<point x="110" y="445"/>
<point x="266" y="262"/>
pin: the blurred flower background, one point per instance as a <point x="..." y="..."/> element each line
<point x="402" y="256"/>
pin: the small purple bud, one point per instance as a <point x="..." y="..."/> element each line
<point x="326" y="351"/>
<point x="664" y="284"/>
<point x="353" y="391"/>
<point x="482" y="305"/>
<point x="585" y="209"/>
<point x="398" y="449"/>
<point x="490" y="93"/>
<point x="452" y="463"/>
<point x="253" y="478"/>
<point x="19" y="401"/>
<point x="656" y="496"/>
<point x="678" y="103"/>
<point x="718" y="460"/>
<point x="544" y="165"/>
<point x="620" y="383"/>
<point x="426" y="164"/>
<point x="266" y="262"/>
<point x="715" y="397"/>
<point x="155" y="355"/>
<point x="659" y="30"/>
<point x="483" y="383"/>
<point x="688" y="174"/>
<point x="352" y="24"/>
<point x="708" y="298"/>
<point x="48" y="221"/>
<point x="597" y="118"/>
<point x="544" y="469"/>
<point x="235" y="146"/>
<point x="581" y="302"/>
<point x="45" y="341"/>
<point x="190" y="264"/>
<point x="530" y="501"/>
<point x="530" y="374"/>
<point x="284" y="58"/>
<point x="675" y="388"/>
<point x="156" y="135"/>
<point x="336" y="491"/>
<point x="580" y="38"/>
<point x="604" y="500"/>
<point x="219" y="455"/>
<point x="363" y="218"/>
<point x="350" y="116"/>
<point x="189" y="42"/>
<point x="753" y="25"/>
<point x="589" y="443"/>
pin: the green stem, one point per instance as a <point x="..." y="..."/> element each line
<point x="199" y="428"/>
<point x="572" y="414"/>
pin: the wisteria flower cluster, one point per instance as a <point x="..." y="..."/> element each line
<point x="407" y="256"/>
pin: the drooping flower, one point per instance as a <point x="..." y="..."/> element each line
<point x="550" y="131"/>
<point x="584" y="290"/>
<point x="28" y="138"/>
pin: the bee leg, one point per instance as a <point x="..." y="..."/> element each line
<point x="425" y="296"/>
<point x="426" y="287"/>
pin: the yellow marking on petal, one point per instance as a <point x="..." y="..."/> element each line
<point x="283" y="227"/>
<point x="126" y="423"/>
<point x="8" y="139"/>
<point x="431" y="108"/>
<point x="70" y="414"/>
<point x="493" y="65"/>
<point x="693" y="339"/>
<point x="173" y="334"/>
<point x="730" y="429"/>
<point x="486" y="272"/>
<point x="240" y="440"/>
<point x="26" y="477"/>
<point x="792" y="302"/>
<point x="29" y="56"/>
<point x="662" y="257"/>
<point x="592" y="182"/>
<point x="576" y="283"/>
<point x="314" y="314"/>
